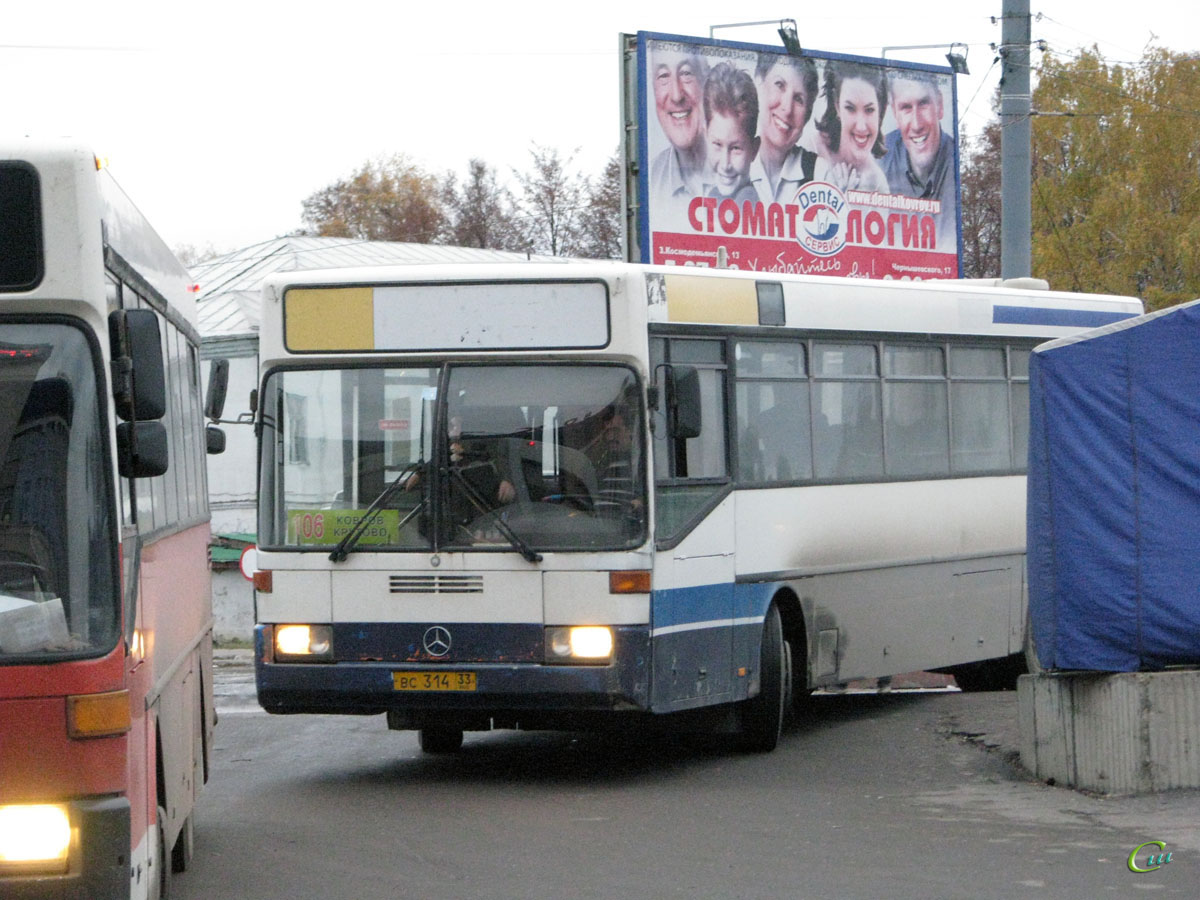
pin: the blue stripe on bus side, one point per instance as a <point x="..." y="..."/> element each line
<point x="1071" y="318"/>
<point x="685" y="609"/>
<point x="674" y="610"/>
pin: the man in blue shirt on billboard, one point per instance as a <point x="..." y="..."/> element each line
<point x="920" y="156"/>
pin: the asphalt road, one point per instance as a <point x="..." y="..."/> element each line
<point x="900" y="795"/>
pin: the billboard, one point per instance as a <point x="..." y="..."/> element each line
<point x="746" y="156"/>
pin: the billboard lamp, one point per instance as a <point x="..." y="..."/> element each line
<point x="957" y="61"/>
<point x="787" y="32"/>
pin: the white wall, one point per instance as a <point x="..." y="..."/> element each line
<point x="232" y="483"/>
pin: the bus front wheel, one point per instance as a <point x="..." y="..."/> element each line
<point x="763" y="716"/>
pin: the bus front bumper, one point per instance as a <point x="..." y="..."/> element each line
<point x="471" y="690"/>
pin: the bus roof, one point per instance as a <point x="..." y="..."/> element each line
<point x="650" y="295"/>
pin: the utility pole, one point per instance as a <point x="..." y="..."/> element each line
<point x="1016" y="133"/>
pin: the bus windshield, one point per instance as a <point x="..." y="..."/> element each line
<point x="57" y="574"/>
<point x="504" y="457"/>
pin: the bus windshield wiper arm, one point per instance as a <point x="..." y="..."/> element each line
<point x="346" y="544"/>
<point x="478" y="502"/>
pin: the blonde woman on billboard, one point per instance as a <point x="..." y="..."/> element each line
<point x="787" y="90"/>
<point x="851" y="141"/>
<point x="730" y="124"/>
<point x="677" y="77"/>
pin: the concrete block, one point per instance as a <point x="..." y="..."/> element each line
<point x="1127" y="733"/>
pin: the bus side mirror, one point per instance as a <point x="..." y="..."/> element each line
<point x="141" y="449"/>
<point x="214" y="439"/>
<point x="139" y="382"/>
<point x="684" y="401"/>
<point x="218" y="384"/>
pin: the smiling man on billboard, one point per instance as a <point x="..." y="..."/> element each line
<point x="920" y="156"/>
<point x="678" y="82"/>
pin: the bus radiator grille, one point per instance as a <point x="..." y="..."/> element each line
<point x="435" y="584"/>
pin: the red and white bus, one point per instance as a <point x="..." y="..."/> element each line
<point x="106" y="709"/>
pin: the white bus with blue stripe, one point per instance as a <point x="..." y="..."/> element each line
<point x="574" y="495"/>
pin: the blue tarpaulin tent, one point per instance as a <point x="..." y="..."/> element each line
<point x="1114" y="495"/>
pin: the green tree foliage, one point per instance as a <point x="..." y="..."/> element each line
<point x="390" y="199"/>
<point x="1116" y="192"/>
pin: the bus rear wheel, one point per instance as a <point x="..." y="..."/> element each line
<point x="763" y="716"/>
<point x="440" y="740"/>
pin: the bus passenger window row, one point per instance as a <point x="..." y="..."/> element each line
<point x="854" y="410"/>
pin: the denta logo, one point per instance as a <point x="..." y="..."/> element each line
<point x="1153" y="861"/>
<point x="823" y="210"/>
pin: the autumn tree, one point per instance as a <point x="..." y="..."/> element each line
<point x="1116" y="198"/>
<point x="480" y="212"/>
<point x="550" y="202"/>
<point x="980" y="182"/>
<point x="600" y="227"/>
<point x="390" y="199"/>
<point x="555" y="210"/>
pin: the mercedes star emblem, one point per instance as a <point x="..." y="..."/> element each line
<point x="437" y="641"/>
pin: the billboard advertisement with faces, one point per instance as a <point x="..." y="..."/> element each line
<point x="818" y="163"/>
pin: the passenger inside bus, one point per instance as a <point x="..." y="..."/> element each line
<point x="479" y="479"/>
<point x="612" y="457"/>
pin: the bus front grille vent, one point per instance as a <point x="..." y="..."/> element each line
<point x="435" y="584"/>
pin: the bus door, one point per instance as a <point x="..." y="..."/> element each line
<point x="692" y="605"/>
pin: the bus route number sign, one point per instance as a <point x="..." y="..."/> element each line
<point x="326" y="527"/>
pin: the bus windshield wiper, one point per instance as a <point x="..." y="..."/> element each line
<point x="346" y="544"/>
<point x="478" y="502"/>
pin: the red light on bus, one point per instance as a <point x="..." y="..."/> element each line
<point x="17" y="354"/>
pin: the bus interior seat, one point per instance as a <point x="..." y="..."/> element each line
<point x="524" y="459"/>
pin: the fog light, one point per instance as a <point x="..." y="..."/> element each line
<point x="579" y="643"/>
<point x="34" y="837"/>
<point x="304" y="643"/>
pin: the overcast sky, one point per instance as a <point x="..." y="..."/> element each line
<point x="219" y="118"/>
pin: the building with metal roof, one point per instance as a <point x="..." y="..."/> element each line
<point x="227" y="287"/>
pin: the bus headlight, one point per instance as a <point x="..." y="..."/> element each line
<point x="303" y="643"/>
<point x="579" y="643"/>
<point x="34" y="838"/>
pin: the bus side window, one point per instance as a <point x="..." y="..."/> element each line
<point x="706" y="454"/>
<point x="847" y="415"/>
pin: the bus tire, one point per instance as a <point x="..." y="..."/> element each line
<point x="440" y="740"/>
<point x="184" y="849"/>
<point x="762" y="716"/>
<point x="160" y="882"/>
